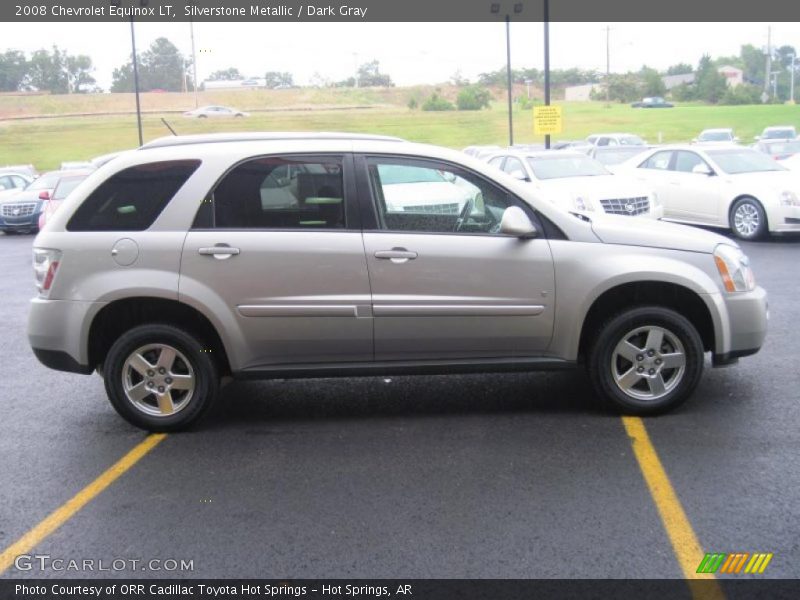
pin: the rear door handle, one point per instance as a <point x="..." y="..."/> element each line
<point x="396" y="255"/>
<point x="219" y="251"/>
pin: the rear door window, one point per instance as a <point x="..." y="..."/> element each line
<point x="275" y="192"/>
<point x="132" y="199"/>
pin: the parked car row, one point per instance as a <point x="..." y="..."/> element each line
<point x="713" y="181"/>
<point x="28" y="199"/>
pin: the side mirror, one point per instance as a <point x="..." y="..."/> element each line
<point x="517" y="174"/>
<point x="702" y="169"/>
<point x="515" y="222"/>
<point x="44" y="195"/>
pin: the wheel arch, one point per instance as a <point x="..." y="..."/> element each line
<point x="657" y="293"/>
<point x="121" y="315"/>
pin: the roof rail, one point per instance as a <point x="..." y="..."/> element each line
<point x="252" y="136"/>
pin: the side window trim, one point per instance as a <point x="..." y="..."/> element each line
<point x="367" y="202"/>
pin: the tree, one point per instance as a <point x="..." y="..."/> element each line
<point x="369" y="75"/>
<point x="276" y="79"/>
<point x="753" y="64"/>
<point x="47" y="71"/>
<point x="711" y="84"/>
<point x="473" y="97"/>
<point x="13" y="67"/>
<point x="79" y="69"/>
<point x="437" y="103"/>
<point x="161" y="66"/>
<point x="229" y="74"/>
<point x="652" y="84"/>
<point x="621" y="88"/>
<point x="680" y="69"/>
<point x="458" y="80"/>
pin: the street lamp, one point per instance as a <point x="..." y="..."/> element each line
<point x="495" y="9"/>
<point x="547" y="64"/>
<point x="135" y="70"/>
<point x="791" y="85"/>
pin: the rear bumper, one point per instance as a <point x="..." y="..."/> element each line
<point x="58" y="332"/>
<point x="60" y="361"/>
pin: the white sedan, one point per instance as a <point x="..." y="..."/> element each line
<point x="577" y="182"/>
<point x="215" y="111"/>
<point x="731" y="187"/>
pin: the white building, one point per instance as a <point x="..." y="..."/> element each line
<point x="580" y="93"/>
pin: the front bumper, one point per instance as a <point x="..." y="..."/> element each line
<point x="58" y="332"/>
<point x="747" y="319"/>
<point x="784" y="219"/>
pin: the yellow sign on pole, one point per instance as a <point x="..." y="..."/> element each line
<point x="547" y="120"/>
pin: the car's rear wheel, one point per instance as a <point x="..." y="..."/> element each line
<point x="748" y="219"/>
<point x="646" y="360"/>
<point x="160" y="378"/>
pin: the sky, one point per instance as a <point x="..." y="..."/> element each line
<point x="409" y="52"/>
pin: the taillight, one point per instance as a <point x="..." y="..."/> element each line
<point x="45" y="265"/>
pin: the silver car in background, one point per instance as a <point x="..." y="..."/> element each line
<point x="174" y="265"/>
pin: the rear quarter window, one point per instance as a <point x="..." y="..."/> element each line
<point x="132" y="199"/>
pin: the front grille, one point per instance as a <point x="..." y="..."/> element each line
<point x="19" y="210"/>
<point x="626" y="206"/>
<point x="436" y="209"/>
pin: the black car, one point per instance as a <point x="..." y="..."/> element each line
<point x="654" y="102"/>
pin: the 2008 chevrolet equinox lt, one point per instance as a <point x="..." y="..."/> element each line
<point x="316" y="255"/>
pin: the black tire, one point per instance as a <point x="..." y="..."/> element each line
<point x="192" y="360"/>
<point x="202" y="116"/>
<point x="606" y="365"/>
<point x="753" y="213"/>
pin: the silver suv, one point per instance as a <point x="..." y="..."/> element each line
<point x="297" y="255"/>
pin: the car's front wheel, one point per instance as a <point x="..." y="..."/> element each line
<point x="748" y="219"/>
<point x="160" y="378"/>
<point x="646" y="360"/>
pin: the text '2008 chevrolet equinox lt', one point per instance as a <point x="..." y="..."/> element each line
<point x="317" y="255"/>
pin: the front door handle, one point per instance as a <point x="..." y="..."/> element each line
<point x="396" y="255"/>
<point x="219" y="251"/>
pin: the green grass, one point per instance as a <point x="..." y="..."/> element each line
<point x="46" y="142"/>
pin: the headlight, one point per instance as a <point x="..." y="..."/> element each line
<point x="654" y="201"/>
<point x="789" y="198"/>
<point x="734" y="269"/>
<point x="582" y="203"/>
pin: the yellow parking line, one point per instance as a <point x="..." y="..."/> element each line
<point x="681" y="535"/>
<point x="66" y="511"/>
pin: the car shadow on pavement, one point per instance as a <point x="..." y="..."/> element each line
<point x="311" y="399"/>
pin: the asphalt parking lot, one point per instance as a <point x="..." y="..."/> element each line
<point x="503" y="476"/>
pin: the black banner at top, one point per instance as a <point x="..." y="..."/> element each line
<point x="397" y="10"/>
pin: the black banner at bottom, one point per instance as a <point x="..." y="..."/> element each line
<point x="410" y="589"/>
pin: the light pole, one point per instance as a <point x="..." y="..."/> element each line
<point x="135" y="71"/>
<point x="136" y="80"/>
<point x="495" y="9"/>
<point x="791" y="75"/>
<point x="194" y="63"/>
<point x="547" y="64"/>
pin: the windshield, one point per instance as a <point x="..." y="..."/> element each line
<point x="557" y="167"/>
<point x="784" y="147"/>
<point x="65" y="186"/>
<point x="45" y="182"/>
<point x="744" y="161"/>
<point x="715" y="136"/>
<point x="615" y="156"/>
<point x="780" y="134"/>
<point x="391" y="174"/>
<point x="630" y="140"/>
